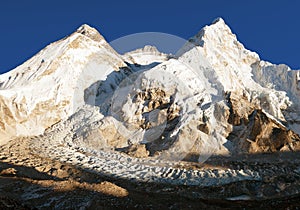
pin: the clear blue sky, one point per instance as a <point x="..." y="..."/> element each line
<point x="269" y="27"/>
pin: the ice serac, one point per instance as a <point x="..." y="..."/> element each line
<point x="52" y="84"/>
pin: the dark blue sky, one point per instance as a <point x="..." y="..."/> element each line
<point x="269" y="27"/>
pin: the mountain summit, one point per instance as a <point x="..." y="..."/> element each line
<point x="90" y="32"/>
<point x="49" y="87"/>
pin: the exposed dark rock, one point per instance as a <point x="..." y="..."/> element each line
<point x="255" y="131"/>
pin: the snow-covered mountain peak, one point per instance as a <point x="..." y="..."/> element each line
<point x="145" y="56"/>
<point x="213" y="32"/>
<point x="218" y="37"/>
<point x="219" y="20"/>
<point x="90" y="32"/>
<point x="51" y="85"/>
<point x="217" y="45"/>
<point x="236" y="69"/>
<point x="149" y="48"/>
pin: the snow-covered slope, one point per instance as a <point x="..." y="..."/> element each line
<point x="54" y="83"/>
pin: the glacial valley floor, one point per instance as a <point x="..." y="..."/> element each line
<point x="31" y="181"/>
